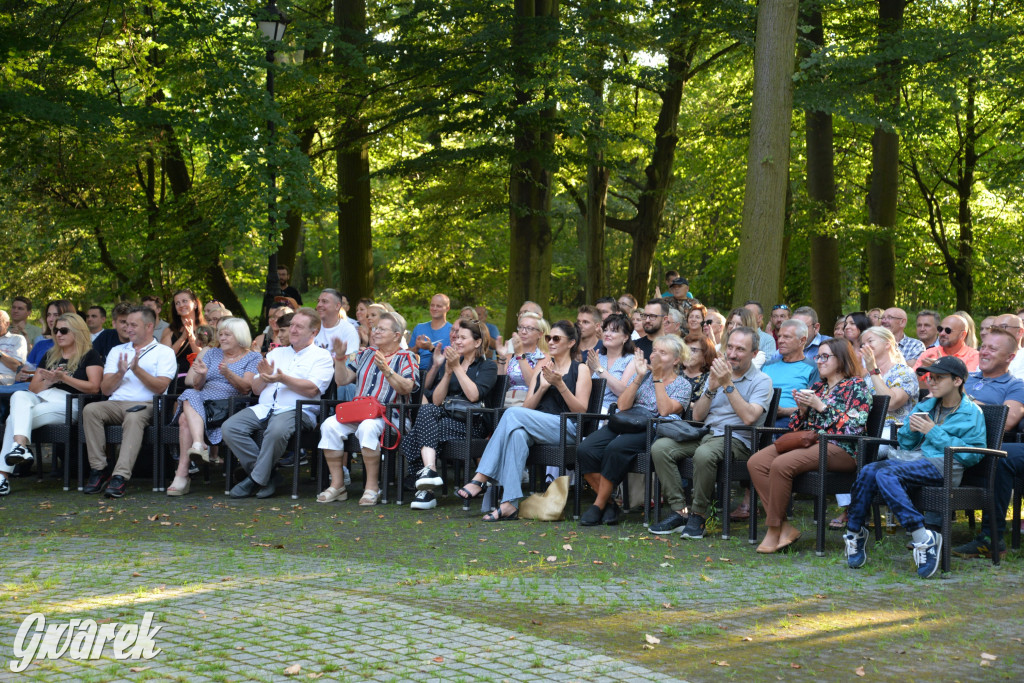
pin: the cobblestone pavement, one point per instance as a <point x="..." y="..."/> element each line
<point x="243" y="590"/>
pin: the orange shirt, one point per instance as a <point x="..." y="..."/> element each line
<point x="968" y="355"/>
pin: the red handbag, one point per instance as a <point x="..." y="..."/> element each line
<point x="366" y="408"/>
<point x="804" y="438"/>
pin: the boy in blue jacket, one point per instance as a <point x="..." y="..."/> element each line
<point x="948" y="418"/>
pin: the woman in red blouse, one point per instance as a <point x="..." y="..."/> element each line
<point x="838" y="404"/>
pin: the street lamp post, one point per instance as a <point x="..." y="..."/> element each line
<point x="272" y="24"/>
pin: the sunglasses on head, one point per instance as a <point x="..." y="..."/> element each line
<point x="557" y="338"/>
<point x="62" y="330"/>
<point x="780" y="307"/>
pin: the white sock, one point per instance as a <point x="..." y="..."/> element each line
<point x="921" y="535"/>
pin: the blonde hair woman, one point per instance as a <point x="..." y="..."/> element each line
<point x="72" y="366"/>
<point x="888" y="373"/>
<point x="528" y="349"/>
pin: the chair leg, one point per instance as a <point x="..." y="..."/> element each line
<point x="820" y="508"/>
<point x="947" y="532"/>
<point x="993" y="531"/>
<point x="1016" y="515"/>
<point x="752" y="522"/>
<point x="877" y="510"/>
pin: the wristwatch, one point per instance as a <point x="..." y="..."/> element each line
<point x="729" y="389"/>
<point x="876" y="371"/>
<point x="600" y="370"/>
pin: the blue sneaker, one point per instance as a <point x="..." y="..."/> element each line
<point x="856" y="555"/>
<point x="926" y="555"/>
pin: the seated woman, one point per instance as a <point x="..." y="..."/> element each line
<point x="223" y="372"/>
<point x="527" y="347"/>
<point x="464" y="374"/>
<point x="888" y="374"/>
<point x="697" y="366"/>
<point x="560" y="386"/>
<point x="180" y="335"/>
<point x="605" y="457"/>
<point x="71" y="366"/>
<point x="264" y="342"/>
<point x="695" y="320"/>
<point x="838" y="404"/>
<point x="382" y="371"/>
<point x="854" y="325"/>
<point x="615" y="362"/>
<point x="361" y="325"/>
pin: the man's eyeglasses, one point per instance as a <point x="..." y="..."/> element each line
<point x="1006" y="326"/>
<point x="824" y="357"/>
<point x="62" y="330"/>
<point x="891" y="317"/>
<point x="652" y="316"/>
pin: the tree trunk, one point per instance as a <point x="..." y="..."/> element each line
<point x="885" y="157"/>
<point x="596" y="284"/>
<point x="961" y="272"/>
<point x="355" y="240"/>
<point x="764" y="202"/>
<point x="826" y="294"/>
<point x="530" y="176"/>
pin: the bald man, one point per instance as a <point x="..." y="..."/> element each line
<point x="952" y="336"/>
<point x="895" y="320"/>
<point x="1012" y="324"/>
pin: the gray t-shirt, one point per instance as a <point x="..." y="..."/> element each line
<point x="754" y="387"/>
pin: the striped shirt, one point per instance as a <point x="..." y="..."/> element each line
<point x="370" y="379"/>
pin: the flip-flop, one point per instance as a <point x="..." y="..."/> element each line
<point x="837" y="524"/>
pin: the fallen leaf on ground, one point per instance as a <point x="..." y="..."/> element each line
<point x="438" y="659"/>
<point x="535" y="622"/>
<point x="794" y="665"/>
<point x="721" y="662"/>
<point x="666" y="605"/>
<point x="648" y="647"/>
<point x="137" y="669"/>
<point x="314" y="675"/>
<point x="136" y="574"/>
<point x="293" y="670"/>
<point x="566" y="547"/>
<point x="748" y="639"/>
<point x="859" y="671"/>
<point x="985" y="655"/>
<point x="551" y="558"/>
<point x="651" y="639"/>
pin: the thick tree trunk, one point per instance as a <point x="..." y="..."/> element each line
<point x="885" y="156"/>
<point x="826" y="294"/>
<point x="355" y="240"/>
<point x="764" y="202"/>
<point x="288" y="252"/>
<point x="597" y="200"/>
<point x="961" y="272"/>
<point x="531" y="174"/>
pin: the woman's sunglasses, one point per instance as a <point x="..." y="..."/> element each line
<point x="557" y="338"/>
<point x="62" y="330"/>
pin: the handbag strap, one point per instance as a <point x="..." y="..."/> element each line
<point x="398" y="434"/>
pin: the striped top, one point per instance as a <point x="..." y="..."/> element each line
<point x="370" y="380"/>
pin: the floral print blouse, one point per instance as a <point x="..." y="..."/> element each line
<point x="846" y="410"/>
<point x="900" y="376"/>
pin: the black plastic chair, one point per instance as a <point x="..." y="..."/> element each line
<point x="822" y="483"/>
<point x="564" y="453"/>
<point x="61" y="435"/>
<point x="729" y="470"/>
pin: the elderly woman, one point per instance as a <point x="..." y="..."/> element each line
<point x="383" y="371"/>
<point x="559" y="386"/>
<point x="528" y="349"/>
<point x="838" y="404"/>
<point x="265" y="341"/>
<point x="462" y="373"/>
<point x="615" y="362"/>
<point x="660" y="389"/>
<point x="713" y="327"/>
<point x="71" y="366"/>
<point x="741" y="317"/>
<point x="223" y="372"/>
<point x="186" y="317"/>
<point x="697" y="366"/>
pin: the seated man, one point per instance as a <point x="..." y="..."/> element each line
<point x="994" y="384"/>
<point x="21" y="309"/>
<point x="791" y="371"/>
<point x="952" y="344"/>
<point x="606" y="306"/>
<point x="737" y="394"/>
<point x="767" y="343"/>
<point x="948" y="418"/>
<point x="780" y="314"/>
<point x="95" y="319"/>
<point x="895" y="320"/>
<point x="108" y="339"/>
<point x="156" y="304"/>
<point x="288" y="374"/>
<point x="133" y="373"/>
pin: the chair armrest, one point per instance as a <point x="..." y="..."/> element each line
<point x="771" y="430"/>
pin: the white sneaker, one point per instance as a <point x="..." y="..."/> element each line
<point x="424" y="500"/>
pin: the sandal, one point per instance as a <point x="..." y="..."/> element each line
<point x="740" y="514"/>
<point x="369" y="497"/>
<point x="199" y="454"/>
<point x="331" y="494"/>
<point x="176" y="489"/>
<point x="463" y="493"/>
<point x="496" y="515"/>
<point x="839" y="523"/>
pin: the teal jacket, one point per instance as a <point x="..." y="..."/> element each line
<point x="965" y="426"/>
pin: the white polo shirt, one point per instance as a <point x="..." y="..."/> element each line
<point x="311" y="363"/>
<point x="156" y="359"/>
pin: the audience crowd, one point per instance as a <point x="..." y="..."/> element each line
<point x="666" y="359"/>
